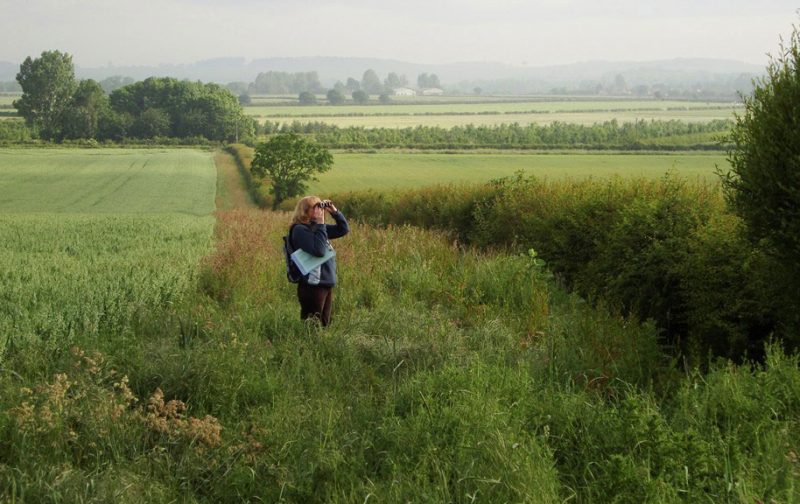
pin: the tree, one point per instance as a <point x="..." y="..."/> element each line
<point x="335" y="97"/>
<point x="192" y="108"/>
<point x="245" y="99"/>
<point x="394" y="81"/>
<point x="153" y="122"/>
<point x="289" y="161"/>
<point x="360" y="97"/>
<point x="48" y="83"/>
<point x="352" y="85"/>
<point x="428" y="81"/>
<point x="763" y="185"/>
<point x="89" y="106"/>
<point x="385" y="98"/>
<point x="307" y="98"/>
<point x="370" y="83"/>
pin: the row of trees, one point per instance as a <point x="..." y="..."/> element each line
<point x="57" y="106"/>
<point x="337" y="97"/>
<point x="308" y="82"/>
<point x="285" y="83"/>
<point x="371" y="84"/>
<point x="610" y="134"/>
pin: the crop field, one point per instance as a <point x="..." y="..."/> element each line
<point x="393" y="170"/>
<point x="6" y="100"/>
<point x="486" y="108"/>
<point x="90" y="241"/>
<point x="446" y="114"/>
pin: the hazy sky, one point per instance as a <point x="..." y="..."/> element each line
<point x="541" y="32"/>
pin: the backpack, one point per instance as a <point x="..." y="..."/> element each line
<point x="292" y="273"/>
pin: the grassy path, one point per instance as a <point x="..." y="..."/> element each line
<point x="231" y="190"/>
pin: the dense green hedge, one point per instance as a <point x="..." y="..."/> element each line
<point x="14" y="130"/>
<point x="638" y="135"/>
<point x="666" y="250"/>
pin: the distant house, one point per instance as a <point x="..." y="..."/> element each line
<point x="432" y="91"/>
<point x="404" y="91"/>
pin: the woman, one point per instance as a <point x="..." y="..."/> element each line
<point x="310" y="233"/>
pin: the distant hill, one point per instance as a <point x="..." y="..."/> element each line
<point x="493" y="77"/>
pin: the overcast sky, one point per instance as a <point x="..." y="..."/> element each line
<point x="533" y="33"/>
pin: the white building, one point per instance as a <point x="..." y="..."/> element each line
<point x="404" y="91"/>
<point x="432" y="91"/>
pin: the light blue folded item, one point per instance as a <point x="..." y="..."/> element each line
<point x="306" y="262"/>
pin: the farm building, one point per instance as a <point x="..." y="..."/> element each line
<point x="404" y="91"/>
<point x="432" y="92"/>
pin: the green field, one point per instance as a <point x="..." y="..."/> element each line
<point x="103" y="181"/>
<point x="90" y="240"/>
<point x="486" y="108"/>
<point x="448" y="114"/>
<point x="6" y="100"/>
<point x="355" y="171"/>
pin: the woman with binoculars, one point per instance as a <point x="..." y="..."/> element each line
<point x="309" y="232"/>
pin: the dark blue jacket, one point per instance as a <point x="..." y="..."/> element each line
<point x="313" y="238"/>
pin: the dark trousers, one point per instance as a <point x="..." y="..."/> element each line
<point x="315" y="302"/>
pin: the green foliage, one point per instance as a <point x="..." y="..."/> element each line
<point x="637" y="135"/>
<point x="370" y="83"/>
<point x="645" y="247"/>
<point x="273" y="82"/>
<point x="14" y="131"/>
<point x="425" y="80"/>
<point x="183" y="109"/>
<point x="307" y="98"/>
<point x="89" y="112"/>
<point x="763" y="184"/>
<point x="289" y="162"/>
<point x="360" y="97"/>
<point x="48" y="83"/>
<point x="335" y="97"/>
<point x="58" y="108"/>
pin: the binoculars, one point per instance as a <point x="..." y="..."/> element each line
<point x="323" y="204"/>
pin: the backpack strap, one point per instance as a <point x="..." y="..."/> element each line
<point x="289" y="236"/>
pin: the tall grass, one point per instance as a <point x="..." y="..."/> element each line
<point x="666" y="250"/>
<point x="448" y="374"/>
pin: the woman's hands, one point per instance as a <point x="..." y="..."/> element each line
<point x="318" y="211"/>
<point x="331" y="208"/>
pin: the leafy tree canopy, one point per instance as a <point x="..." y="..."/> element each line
<point x="360" y="97"/>
<point x="289" y="162"/>
<point x="335" y="97"/>
<point x="763" y="185"/>
<point x="370" y="83"/>
<point x="48" y="83"/>
<point x="307" y="98"/>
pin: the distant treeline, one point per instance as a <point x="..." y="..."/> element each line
<point x="58" y="107"/>
<point x="278" y="83"/>
<point x="286" y="83"/>
<point x="607" y="135"/>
